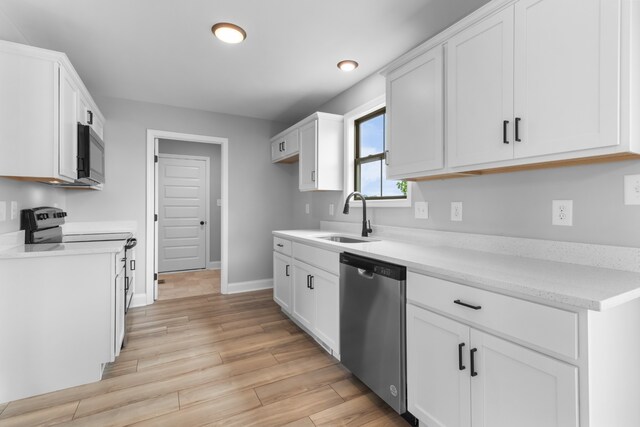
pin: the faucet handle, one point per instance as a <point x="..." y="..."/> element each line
<point x="369" y="229"/>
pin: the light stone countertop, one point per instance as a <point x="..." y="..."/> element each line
<point x="543" y="281"/>
<point x="62" y="249"/>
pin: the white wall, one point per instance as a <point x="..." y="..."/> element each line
<point x="213" y="152"/>
<point x="511" y="204"/>
<point x="259" y="200"/>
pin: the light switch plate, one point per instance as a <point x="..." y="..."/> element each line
<point x="562" y="212"/>
<point x="219" y="202"/>
<point x="632" y="189"/>
<point x="3" y="211"/>
<point x="422" y="210"/>
<point x="456" y="211"/>
<point x="307" y="208"/>
<point x="14" y="210"/>
<point x="331" y="209"/>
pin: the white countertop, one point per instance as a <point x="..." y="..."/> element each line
<point x="62" y="249"/>
<point x="537" y="280"/>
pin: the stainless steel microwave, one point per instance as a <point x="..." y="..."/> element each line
<point x="90" y="156"/>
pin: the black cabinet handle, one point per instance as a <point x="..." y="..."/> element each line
<point x="505" y="124"/>
<point x="90" y="117"/>
<point x="284" y="145"/>
<point x="313" y="176"/>
<point x="461" y="367"/>
<point x="473" y="362"/>
<point x="475" y="307"/>
<point x="280" y="245"/>
<point x="311" y="285"/>
<point x="286" y="270"/>
<point x="308" y="281"/>
<point x="518" y="129"/>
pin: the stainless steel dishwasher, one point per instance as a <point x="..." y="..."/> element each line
<point x="372" y="326"/>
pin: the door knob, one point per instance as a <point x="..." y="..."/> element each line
<point x="203" y="222"/>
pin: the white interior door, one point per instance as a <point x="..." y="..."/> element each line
<point x="182" y="213"/>
<point x="155" y="223"/>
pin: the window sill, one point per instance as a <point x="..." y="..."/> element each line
<point x="404" y="203"/>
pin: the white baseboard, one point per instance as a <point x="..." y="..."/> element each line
<point x="252" y="285"/>
<point x="214" y="265"/>
<point x="139" y="300"/>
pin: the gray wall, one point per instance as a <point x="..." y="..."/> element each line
<point x="213" y="152"/>
<point x="259" y="200"/>
<point x="511" y="204"/>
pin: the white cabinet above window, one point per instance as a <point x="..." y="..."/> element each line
<point x="42" y="100"/>
<point x="285" y="147"/>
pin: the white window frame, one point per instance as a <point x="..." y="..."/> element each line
<point x="350" y="152"/>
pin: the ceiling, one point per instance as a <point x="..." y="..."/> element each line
<point x="162" y="51"/>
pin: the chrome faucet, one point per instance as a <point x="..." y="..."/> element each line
<point x="366" y="225"/>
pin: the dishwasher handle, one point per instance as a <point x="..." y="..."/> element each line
<point x="366" y="273"/>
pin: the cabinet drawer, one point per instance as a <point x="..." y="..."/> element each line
<point x="547" y="327"/>
<point x="321" y="258"/>
<point x="281" y="245"/>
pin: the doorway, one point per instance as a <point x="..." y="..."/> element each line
<point x="182" y="257"/>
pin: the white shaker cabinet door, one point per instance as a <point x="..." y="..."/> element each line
<point x="515" y="386"/>
<point x="415" y="116"/>
<point x="309" y="156"/>
<point x="566" y="75"/>
<point x="304" y="303"/>
<point x="327" y="295"/>
<point x="480" y="92"/>
<point x="68" y="130"/>
<point x="437" y="369"/>
<point x="282" y="271"/>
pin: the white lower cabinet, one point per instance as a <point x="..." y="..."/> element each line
<point x="316" y="303"/>
<point x="460" y="376"/>
<point x="282" y="270"/>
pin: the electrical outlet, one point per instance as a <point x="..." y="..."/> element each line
<point x="219" y="202"/>
<point x="307" y="208"/>
<point x="632" y="189"/>
<point x="422" y="210"/>
<point x="14" y="210"/>
<point x="456" y="211"/>
<point x="562" y="212"/>
<point x="331" y="209"/>
<point x="3" y="211"/>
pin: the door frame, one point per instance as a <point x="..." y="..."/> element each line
<point x="207" y="199"/>
<point x="151" y="251"/>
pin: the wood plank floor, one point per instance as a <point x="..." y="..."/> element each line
<point x="212" y="360"/>
<point x="188" y="284"/>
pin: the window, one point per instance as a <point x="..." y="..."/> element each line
<point x="369" y="165"/>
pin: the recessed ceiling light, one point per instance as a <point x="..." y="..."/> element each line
<point x="347" y="65"/>
<point x="228" y="33"/>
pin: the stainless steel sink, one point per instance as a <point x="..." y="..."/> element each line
<point x="346" y="239"/>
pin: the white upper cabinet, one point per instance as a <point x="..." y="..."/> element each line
<point x="566" y="75"/>
<point x="285" y="147"/>
<point x="529" y="84"/>
<point x="415" y="116"/>
<point x="68" y="140"/>
<point x="308" y="156"/>
<point x="41" y="102"/>
<point x="321" y="153"/>
<point x="480" y="92"/>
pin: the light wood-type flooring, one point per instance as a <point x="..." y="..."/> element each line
<point x="215" y="360"/>
<point x="188" y="284"/>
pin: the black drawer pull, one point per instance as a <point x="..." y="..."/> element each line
<point x="473" y="362"/>
<point x="504" y="131"/>
<point x="475" y="307"/>
<point x="308" y="281"/>
<point x="461" y="367"/>
<point x="311" y="283"/>
<point x="280" y="245"/>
